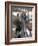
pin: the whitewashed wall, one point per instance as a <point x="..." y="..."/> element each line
<point x="37" y="22"/>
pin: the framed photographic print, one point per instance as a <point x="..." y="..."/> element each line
<point x="20" y="22"/>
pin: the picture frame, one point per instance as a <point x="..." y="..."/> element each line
<point x="20" y="22"/>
